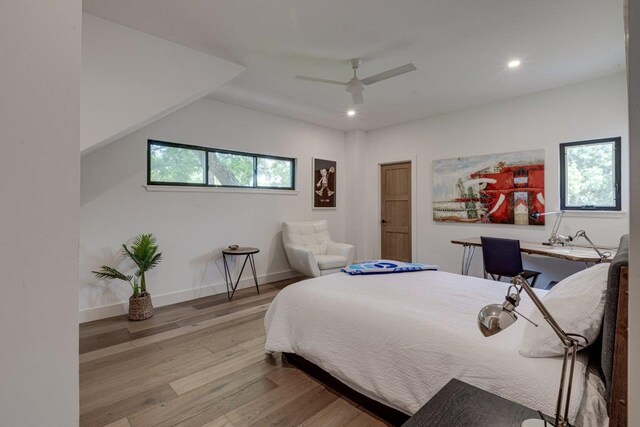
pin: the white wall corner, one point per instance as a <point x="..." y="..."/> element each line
<point x="355" y="146"/>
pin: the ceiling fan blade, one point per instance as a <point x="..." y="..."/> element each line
<point x="357" y="97"/>
<point x="316" y="79"/>
<point x="388" y="74"/>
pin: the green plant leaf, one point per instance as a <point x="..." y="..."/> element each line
<point x="144" y="252"/>
<point x="128" y="253"/>
<point x="107" y="272"/>
<point x="136" y="287"/>
<point x="155" y="260"/>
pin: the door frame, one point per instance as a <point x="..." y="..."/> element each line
<point x="414" y="205"/>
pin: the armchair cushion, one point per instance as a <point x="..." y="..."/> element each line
<point x="302" y="260"/>
<point x="310" y="250"/>
<point x="343" y="249"/>
<point x="328" y="262"/>
<point x="312" y="235"/>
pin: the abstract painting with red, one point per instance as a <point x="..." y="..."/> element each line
<point x="497" y="188"/>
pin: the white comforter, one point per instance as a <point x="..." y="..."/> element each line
<point x="399" y="338"/>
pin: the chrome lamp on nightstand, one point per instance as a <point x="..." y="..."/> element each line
<point x="495" y="317"/>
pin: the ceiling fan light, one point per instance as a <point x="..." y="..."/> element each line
<point x="514" y="63"/>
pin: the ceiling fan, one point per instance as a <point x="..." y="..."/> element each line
<point x="355" y="86"/>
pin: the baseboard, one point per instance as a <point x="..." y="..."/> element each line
<point x="111" y="310"/>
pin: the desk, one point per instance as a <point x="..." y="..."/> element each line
<point x="248" y="252"/>
<point x="570" y="253"/>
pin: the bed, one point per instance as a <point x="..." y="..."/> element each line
<point x="397" y="339"/>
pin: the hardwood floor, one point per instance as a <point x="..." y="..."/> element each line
<point x="201" y="363"/>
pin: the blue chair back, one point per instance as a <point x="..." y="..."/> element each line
<point x="501" y="256"/>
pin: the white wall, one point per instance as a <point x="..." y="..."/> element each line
<point x="39" y="186"/>
<point x="131" y="79"/>
<point x="355" y="147"/>
<point x="192" y="227"/>
<point x="634" y="255"/>
<point x="589" y="110"/>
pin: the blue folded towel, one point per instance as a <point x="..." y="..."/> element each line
<point x="384" y="266"/>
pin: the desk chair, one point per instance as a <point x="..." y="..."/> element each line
<point x="502" y="257"/>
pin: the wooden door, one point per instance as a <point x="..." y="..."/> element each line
<point x="395" y="197"/>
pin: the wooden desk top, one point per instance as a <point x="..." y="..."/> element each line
<point x="241" y="251"/>
<point x="571" y="253"/>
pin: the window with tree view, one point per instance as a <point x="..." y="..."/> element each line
<point x="275" y="173"/>
<point x="178" y="164"/>
<point x="233" y="170"/>
<point x="590" y="175"/>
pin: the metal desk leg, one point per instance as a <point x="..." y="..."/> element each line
<point x="253" y="269"/>
<point x="467" y="257"/>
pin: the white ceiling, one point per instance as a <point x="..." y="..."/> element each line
<point x="459" y="46"/>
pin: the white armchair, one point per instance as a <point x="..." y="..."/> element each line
<point x="311" y="251"/>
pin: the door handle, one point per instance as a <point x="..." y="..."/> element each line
<point x="384" y="221"/>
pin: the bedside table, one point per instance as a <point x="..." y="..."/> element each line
<point x="461" y="404"/>
<point x="248" y="253"/>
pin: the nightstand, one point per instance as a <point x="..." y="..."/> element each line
<point x="248" y="253"/>
<point x="461" y="404"/>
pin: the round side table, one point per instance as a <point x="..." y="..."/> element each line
<point x="248" y="252"/>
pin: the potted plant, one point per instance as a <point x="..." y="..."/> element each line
<point x="144" y="253"/>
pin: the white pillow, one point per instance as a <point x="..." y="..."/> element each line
<point x="577" y="304"/>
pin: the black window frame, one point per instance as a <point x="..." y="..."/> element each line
<point x="207" y="150"/>
<point x="617" y="144"/>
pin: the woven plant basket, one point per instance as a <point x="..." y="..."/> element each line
<point x="140" y="308"/>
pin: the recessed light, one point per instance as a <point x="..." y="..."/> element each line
<point x="351" y="113"/>
<point x="514" y="63"/>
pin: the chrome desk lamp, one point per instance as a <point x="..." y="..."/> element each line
<point x="558" y="239"/>
<point x="602" y="255"/>
<point x="555" y="239"/>
<point x="496" y="317"/>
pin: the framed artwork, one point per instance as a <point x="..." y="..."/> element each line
<point x="500" y="188"/>
<point x="324" y="184"/>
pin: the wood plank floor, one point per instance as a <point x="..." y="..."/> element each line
<point x="201" y="363"/>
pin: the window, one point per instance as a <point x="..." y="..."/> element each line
<point x="590" y="175"/>
<point x="176" y="164"/>
<point x="179" y="164"/>
<point x="230" y="169"/>
<point x="275" y="173"/>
